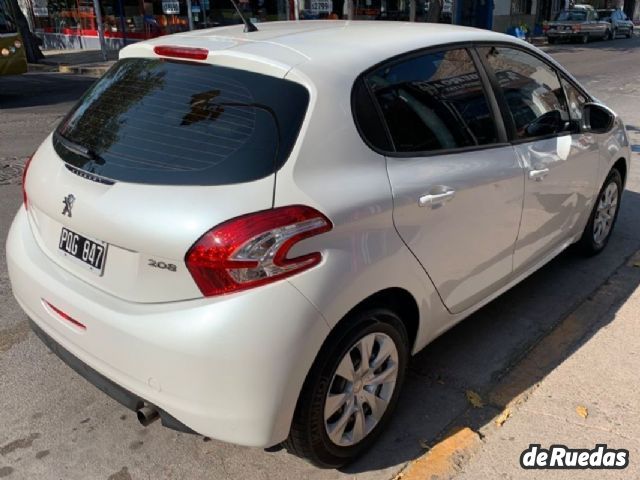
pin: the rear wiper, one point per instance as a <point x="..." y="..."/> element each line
<point x="79" y="149"/>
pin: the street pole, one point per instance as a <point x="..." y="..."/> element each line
<point x="103" y="45"/>
<point x="189" y="14"/>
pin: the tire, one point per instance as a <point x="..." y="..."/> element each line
<point x="552" y="40"/>
<point x="591" y="243"/>
<point x="584" y="38"/>
<point x="630" y="34"/>
<point x="615" y="34"/>
<point x="309" y="437"/>
<point x="607" y="35"/>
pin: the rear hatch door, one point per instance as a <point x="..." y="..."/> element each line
<point x="154" y="155"/>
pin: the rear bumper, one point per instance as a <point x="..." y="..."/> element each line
<point x="230" y="368"/>
<point x="115" y="391"/>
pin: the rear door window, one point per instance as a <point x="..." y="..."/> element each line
<point x="434" y="102"/>
<point x="175" y="123"/>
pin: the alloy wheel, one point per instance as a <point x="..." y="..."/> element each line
<point x="605" y="213"/>
<point x="361" y="389"/>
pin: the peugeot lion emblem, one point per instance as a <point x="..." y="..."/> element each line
<point x="68" y="204"/>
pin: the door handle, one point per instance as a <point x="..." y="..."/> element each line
<point x="538" y="175"/>
<point x="435" y="199"/>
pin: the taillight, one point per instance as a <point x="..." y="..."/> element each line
<point x="252" y="250"/>
<point x="24" y="179"/>
<point x="577" y="28"/>
<point x="189" y="53"/>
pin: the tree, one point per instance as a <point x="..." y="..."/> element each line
<point x="29" y="40"/>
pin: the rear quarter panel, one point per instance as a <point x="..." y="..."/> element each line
<point x="333" y="170"/>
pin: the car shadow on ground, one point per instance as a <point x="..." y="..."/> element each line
<point x="478" y="353"/>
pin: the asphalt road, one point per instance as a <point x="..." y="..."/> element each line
<point x="55" y="425"/>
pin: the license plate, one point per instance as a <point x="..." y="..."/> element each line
<point x="90" y="253"/>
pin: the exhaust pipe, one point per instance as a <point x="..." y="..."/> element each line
<point x="147" y="415"/>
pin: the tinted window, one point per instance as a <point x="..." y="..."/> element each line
<point x="434" y="102"/>
<point x="531" y="89"/>
<point x="161" y="122"/>
<point x="367" y="118"/>
<point x="605" y="15"/>
<point x="572" y="16"/>
<point x="7" y="25"/>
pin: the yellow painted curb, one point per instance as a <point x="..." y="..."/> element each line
<point x="440" y="461"/>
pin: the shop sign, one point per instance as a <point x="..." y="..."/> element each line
<point x="170" y="7"/>
<point x="318" y="6"/>
<point x="40" y="12"/>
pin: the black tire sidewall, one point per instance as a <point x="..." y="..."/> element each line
<point x="375" y="320"/>
<point x="590" y="247"/>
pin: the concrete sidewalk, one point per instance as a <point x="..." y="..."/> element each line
<point x="592" y="397"/>
<point x="79" y="62"/>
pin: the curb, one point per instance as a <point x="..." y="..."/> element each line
<point x="42" y="67"/>
<point x="454" y="447"/>
<point x="87" y="70"/>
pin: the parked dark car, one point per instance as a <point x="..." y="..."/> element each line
<point x="620" y="23"/>
<point x="578" y="23"/>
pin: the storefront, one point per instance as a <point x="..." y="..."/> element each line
<point x="72" y="23"/>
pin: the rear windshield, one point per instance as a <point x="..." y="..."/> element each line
<point x="572" y="16"/>
<point x="175" y="123"/>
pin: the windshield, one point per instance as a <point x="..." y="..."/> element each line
<point x="7" y="24"/>
<point x="177" y="123"/>
<point x="571" y="16"/>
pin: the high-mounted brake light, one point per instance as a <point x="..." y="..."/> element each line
<point x="189" y="53"/>
<point x="24" y="180"/>
<point x="251" y="250"/>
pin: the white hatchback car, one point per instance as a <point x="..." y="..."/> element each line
<point x="248" y="234"/>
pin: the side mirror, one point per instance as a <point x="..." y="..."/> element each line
<point x="546" y="124"/>
<point x="597" y="118"/>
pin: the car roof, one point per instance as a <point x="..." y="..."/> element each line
<point x="348" y="47"/>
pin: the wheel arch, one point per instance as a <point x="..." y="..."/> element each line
<point x="621" y="166"/>
<point x="398" y="299"/>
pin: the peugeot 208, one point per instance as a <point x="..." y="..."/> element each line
<point x="248" y="234"/>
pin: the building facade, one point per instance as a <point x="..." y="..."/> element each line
<point x="73" y="23"/>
